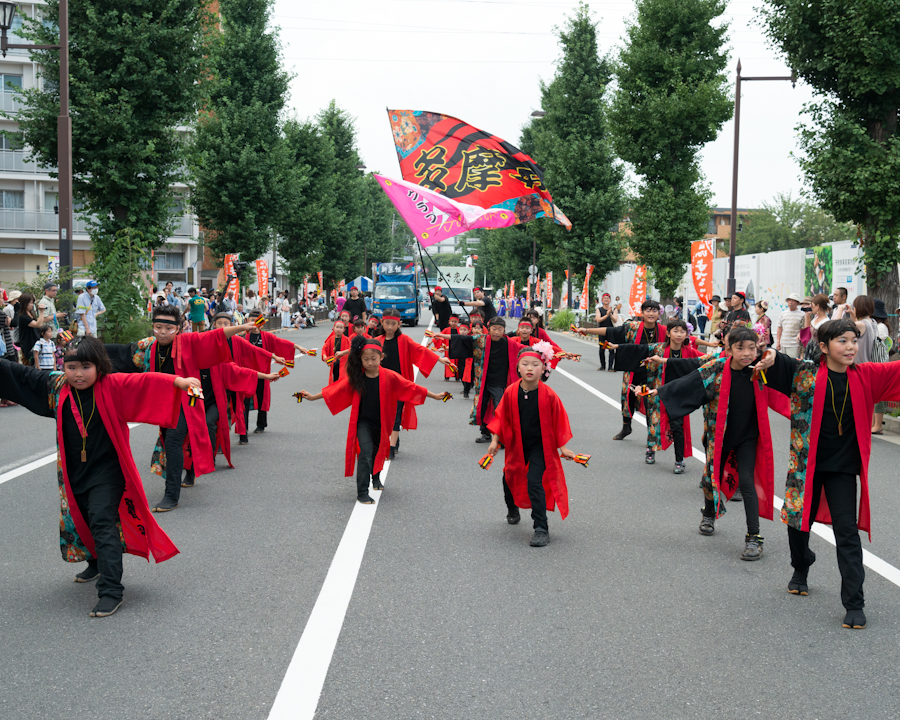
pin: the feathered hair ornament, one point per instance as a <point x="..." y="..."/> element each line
<point x="545" y="350"/>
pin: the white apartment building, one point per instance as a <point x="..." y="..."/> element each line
<point x="29" y="223"/>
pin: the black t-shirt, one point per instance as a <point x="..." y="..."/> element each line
<point x="28" y="336"/>
<point x="442" y="312"/>
<point x="102" y="465"/>
<point x="488" y="310"/>
<point x="498" y="363"/>
<point x="838" y="452"/>
<point x="742" y="421"/>
<point x="336" y="365"/>
<point x="164" y="361"/>
<point x="370" y="403"/>
<point x="391" y="351"/>
<point x="607" y="319"/>
<point x="356" y="308"/>
<point x="529" y="419"/>
<point x="255" y="339"/>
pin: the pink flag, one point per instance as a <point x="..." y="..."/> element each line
<point x="433" y="217"/>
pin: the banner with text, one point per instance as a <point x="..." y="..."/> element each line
<point x="235" y="285"/>
<point x="262" y="276"/>
<point x="638" y="290"/>
<point x="549" y="290"/>
<point x="702" y="269"/>
<point x="583" y="305"/>
<point x="564" y="297"/>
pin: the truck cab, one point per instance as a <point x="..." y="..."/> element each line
<point x="396" y="286"/>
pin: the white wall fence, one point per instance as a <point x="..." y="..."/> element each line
<point x="766" y="276"/>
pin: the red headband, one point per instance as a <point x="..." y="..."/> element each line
<point x="526" y="322"/>
<point x="373" y="343"/>
<point x="532" y="352"/>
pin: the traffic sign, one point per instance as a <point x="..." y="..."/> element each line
<point x="532" y="269"/>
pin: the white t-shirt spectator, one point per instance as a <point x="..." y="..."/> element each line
<point x="46" y="350"/>
<point x="88" y="305"/>
<point x="790" y="323"/>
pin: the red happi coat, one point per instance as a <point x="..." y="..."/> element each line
<point x="555" y="433"/>
<point x="249" y="356"/>
<point x="687" y="352"/>
<point x="441" y="344"/>
<point x="121" y="398"/>
<point x="241" y="381"/>
<point x="392" y="388"/>
<point x="764" y="470"/>
<point x="193" y="351"/>
<point x="329" y="351"/>
<point x="412" y="354"/>
<point x="512" y="348"/>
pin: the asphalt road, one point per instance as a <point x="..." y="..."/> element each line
<point x="628" y="613"/>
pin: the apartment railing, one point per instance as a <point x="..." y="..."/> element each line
<point x="48" y="221"/>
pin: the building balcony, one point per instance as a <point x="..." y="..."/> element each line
<point x="43" y="221"/>
<point x="17" y="161"/>
<point x="10" y="101"/>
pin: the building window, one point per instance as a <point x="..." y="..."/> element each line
<point x="168" y="261"/>
<point x="9" y="82"/>
<point x="7" y="143"/>
<point x="12" y="199"/>
<point x="711" y="228"/>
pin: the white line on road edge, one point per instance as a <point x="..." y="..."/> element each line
<point x="35" y="464"/>
<point x="298" y="696"/>
<point x="870" y="560"/>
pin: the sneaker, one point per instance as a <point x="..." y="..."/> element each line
<point x="365" y="499"/>
<point x="259" y="431"/>
<point x="540" y="538"/>
<point x="650" y="457"/>
<point x="484" y="439"/>
<point x="513" y="517"/>
<point x="753" y="547"/>
<point x="165" y="506"/>
<point x="623" y="433"/>
<point x="88" y="574"/>
<point x="188" y="481"/>
<point x="106" y="607"/>
<point x="855" y="619"/>
<point x="376" y="482"/>
<point x="737" y="497"/>
<point x="707" y="525"/>
<point x="797" y="585"/>
<point x="244" y="440"/>
<point x="679" y="468"/>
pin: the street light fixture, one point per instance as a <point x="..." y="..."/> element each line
<point x="63" y="126"/>
<point x="538" y="113"/>
<point x="732" y="283"/>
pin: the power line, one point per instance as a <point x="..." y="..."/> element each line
<point x="406" y="61"/>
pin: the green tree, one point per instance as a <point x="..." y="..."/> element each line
<point x="850" y="54"/>
<point x="572" y="143"/>
<point x="788" y="223"/>
<point x="342" y="259"/>
<point x="376" y="232"/>
<point x="239" y="159"/>
<point x="133" y="74"/>
<point x="671" y="100"/>
<point x="311" y="220"/>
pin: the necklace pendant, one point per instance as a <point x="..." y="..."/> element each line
<point x="840" y="429"/>
<point x="83" y="456"/>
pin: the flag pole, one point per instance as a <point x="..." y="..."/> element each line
<point x="449" y="286"/>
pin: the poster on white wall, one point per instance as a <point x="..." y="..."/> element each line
<point x="845" y="257"/>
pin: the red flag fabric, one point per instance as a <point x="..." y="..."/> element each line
<point x="457" y="160"/>
<point x="701" y="269"/>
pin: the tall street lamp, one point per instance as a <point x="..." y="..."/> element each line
<point x="63" y="125"/>
<point x="362" y="171"/>
<point x="734" y="177"/>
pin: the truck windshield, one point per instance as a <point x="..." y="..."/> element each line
<point x="394" y="292"/>
<point x="464" y="294"/>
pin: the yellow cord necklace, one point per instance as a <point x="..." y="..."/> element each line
<point x="85" y="425"/>
<point x="834" y="407"/>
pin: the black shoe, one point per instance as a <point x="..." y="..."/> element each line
<point x="650" y="457"/>
<point x="679" y="467"/>
<point x="707" y="525"/>
<point x="855" y="619"/>
<point x="376" y="482"/>
<point x="365" y="499"/>
<point x="88" y="574"/>
<point x="188" y="481"/>
<point x="106" y="607"/>
<point x="737" y="497"/>
<point x="601" y="369"/>
<point x="484" y="439"/>
<point x="397" y="446"/>
<point x="259" y="431"/>
<point x="540" y="538"/>
<point x="753" y="547"/>
<point x="393" y="453"/>
<point x="244" y="440"/>
<point x="513" y="517"/>
<point x="466" y="394"/>
<point x="797" y="585"/>
<point x="165" y="506"/>
<point x="623" y="433"/>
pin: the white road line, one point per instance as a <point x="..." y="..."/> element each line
<point x="35" y="464"/>
<point x="870" y="560"/>
<point x="301" y="688"/>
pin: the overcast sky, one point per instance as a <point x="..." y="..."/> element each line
<point x="482" y="60"/>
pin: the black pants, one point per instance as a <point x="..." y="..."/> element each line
<point x="534" y="459"/>
<point x="261" y="415"/>
<point x="840" y="491"/>
<point x="491" y="393"/>
<point x="399" y="417"/>
<point x="612" y="358"/>
<point x="369" y="438"/>
<point x="677" y="428"/>
<point x="173" y="440"/>
<point x="745" y="456"/>
<point x="99" y="507"/>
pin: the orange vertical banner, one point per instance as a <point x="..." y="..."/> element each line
<point x="235" y="285"/>
<point x="564" y="299"/>
<point x="549" y="286"/>
<point x="262" y="276"/>
<point x="701" y="269"/>
<point x="638" y="290"/>
<point x="583" y="305"/>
